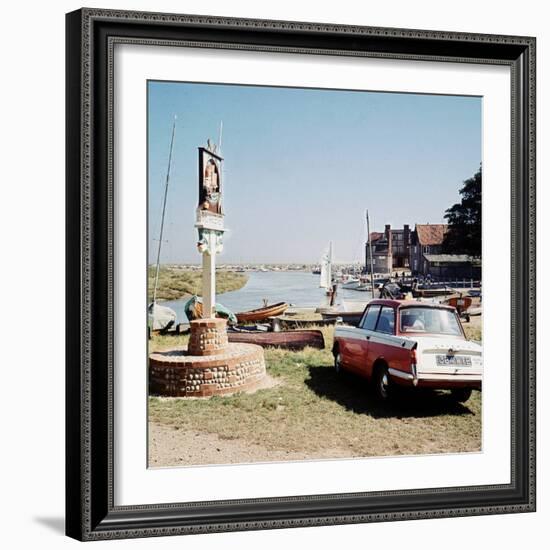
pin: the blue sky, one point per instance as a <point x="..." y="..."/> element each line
<point x="302" y="165"/>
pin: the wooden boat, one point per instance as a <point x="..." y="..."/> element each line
<point x="291" y="339"/>
<point x="291" y="323"/>
<point x="461" y="303"/>
<point x="348" y="317"/>
<point x="352" y="284"/>
<point x="262" y="313"/>
<point x="430" y="292"/>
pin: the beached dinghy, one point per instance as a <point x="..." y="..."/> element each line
<point x="160" y="318"/>
<point x="262" y="313"/>
<point x="348" y="317"/>
<point x="291" y="339"/>
<point x="462" y="305"/>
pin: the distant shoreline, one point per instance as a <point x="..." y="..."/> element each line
<point x="177" y="282"/>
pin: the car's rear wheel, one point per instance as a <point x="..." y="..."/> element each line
<point x="461" y="394"/>
<point x="382" y="384"/>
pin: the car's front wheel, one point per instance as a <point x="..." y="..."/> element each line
<point x="382" y="384"/>
<point x="461" y="394"/>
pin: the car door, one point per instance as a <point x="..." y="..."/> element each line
<point x="359" y="345"/>
<point x="382" y="340"/>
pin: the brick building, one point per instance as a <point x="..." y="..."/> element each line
<point x="425" y="239"/>
<point x="390" y="249"/>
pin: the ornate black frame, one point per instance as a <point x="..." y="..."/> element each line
<point x="91" y="35"/>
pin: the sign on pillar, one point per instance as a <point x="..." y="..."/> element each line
<point x="209" y="222"/>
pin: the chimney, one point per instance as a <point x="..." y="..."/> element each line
<point x="387" y="231"/>
<point x="406" y="235"/>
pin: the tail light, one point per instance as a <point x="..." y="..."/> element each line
<point x="413" y="366"/>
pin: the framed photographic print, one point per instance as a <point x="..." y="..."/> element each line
<point x="300" y="274"/>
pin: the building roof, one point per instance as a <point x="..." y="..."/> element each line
<point x="374" y="236"/>
<point x="431" y="233"/>
<point x="449" y="258"/>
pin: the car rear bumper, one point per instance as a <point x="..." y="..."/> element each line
<point x="436" y="380"/>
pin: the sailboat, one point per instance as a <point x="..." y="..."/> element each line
<point x="161" y="317"/>
<point x="326" y="270"/>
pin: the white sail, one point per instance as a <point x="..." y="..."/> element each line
<point x="326" y="269"/>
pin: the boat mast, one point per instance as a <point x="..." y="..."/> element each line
<point x="220" y="137"/>
<point x="330" y="265"/>
<point x="164" y="211"/>
<point x="370" y="256"/>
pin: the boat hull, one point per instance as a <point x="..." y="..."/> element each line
<point x="292" y="339"/>
<point x="160" y="317"/>
<point x="348" y="317"/>
<point x="431" y="292"/>
<point x="263" y="313"/>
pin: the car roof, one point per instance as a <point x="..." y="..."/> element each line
<point x="408" y="303"/>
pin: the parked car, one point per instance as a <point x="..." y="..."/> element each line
<point x="410" y="343"/>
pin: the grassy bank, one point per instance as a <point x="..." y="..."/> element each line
<point x="313" y="410"/>
<point x="473" y="328"/>
<point x="175" y="282"/>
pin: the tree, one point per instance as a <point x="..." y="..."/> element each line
<point x="464" y="219"/>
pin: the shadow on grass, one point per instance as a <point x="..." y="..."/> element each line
<point x="353" y="393"/>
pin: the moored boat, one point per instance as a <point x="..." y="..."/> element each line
<point x="431" y="291"/>
<point x="351" y="284"/>
<point x="292" y="323"/>
<point x="348" y="317"/>
<point x="262" y="313"/>
<point x="291" y="339"/>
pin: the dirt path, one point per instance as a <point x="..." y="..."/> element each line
<point x="169" y="446"/>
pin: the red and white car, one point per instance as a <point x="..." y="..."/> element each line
<point x="410" y="343"/>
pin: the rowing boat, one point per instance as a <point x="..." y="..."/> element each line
<point x="262" y="313"/>
<point x="348" y="317"/>
<point x="292" y="323"/>
<point x="291" y="339"/>
<point x="430" y="292"/>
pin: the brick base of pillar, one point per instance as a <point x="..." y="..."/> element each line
<point x="209" y="366"/>
<point x="208" y="336"/>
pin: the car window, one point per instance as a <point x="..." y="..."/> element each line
<point x="386" y="320"/>
<point x="430" y="320"/>
<point x="369" y="319"/>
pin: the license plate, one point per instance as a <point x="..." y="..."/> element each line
<point x="458" y="360"/>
